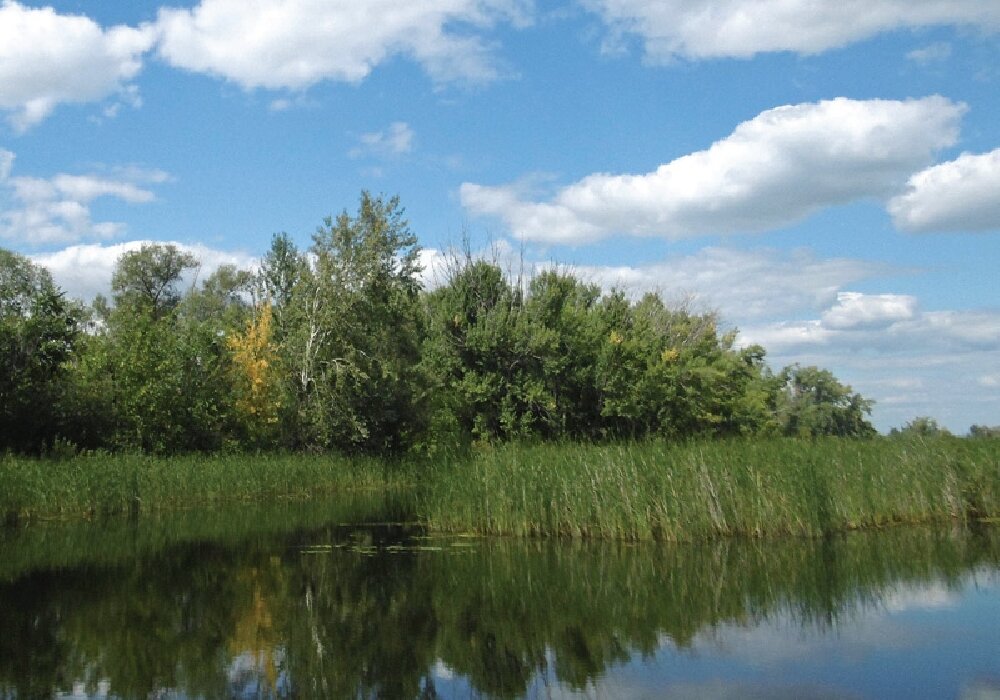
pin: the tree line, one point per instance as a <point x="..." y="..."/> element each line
<point x="340" y="347"/>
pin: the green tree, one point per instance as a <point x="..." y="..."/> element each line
<point x="565" y="337"/>
<point x="38" y="333"/>
<point x="485" y="380"/>
<point x="812" y="403"/>
<point x="922" y="426"/>
<point x="164" y="355"/>
<point x="147" y="280"/>
<point x="353" y="332"/>
<point x="280" y="270"/>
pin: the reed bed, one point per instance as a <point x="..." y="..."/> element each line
<point x="102" y="484"/>
<point x="632" y="491"/>
<point x="704" y="490"/>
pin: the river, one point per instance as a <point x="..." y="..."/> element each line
<point x="347" y="598"/>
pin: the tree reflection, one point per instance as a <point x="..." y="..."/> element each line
<point x="372" y="611"/>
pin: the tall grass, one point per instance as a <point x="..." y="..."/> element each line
<point x="648" y="490"/>
<point x="703" y="490"/>
<point x="107" y="484"/>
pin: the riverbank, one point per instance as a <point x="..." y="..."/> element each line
<point x="634" y="491"/>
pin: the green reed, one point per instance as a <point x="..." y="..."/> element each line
<point x="644" y="490"/>
<point x="656" y="490"/>
<point x="105" y="484"/>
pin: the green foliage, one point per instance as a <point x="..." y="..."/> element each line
<point x="161" y="357"/>
<point x="921" y="426"/>
<point x="354" y="328"/>
<point x="477" y="353"/>
<point x="146" y="280"/>
<point x="38" y="335"/>
<point x="358" y="358"/>
<point x="102" y="483"/>
<point x="814" y="403"/>
<point x="559" y="361"/>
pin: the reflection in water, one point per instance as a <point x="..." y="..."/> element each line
<point x="287" y="602"/>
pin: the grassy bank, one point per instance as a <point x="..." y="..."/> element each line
<point x="107" y="484"/>
<point x="648" y="490"/>
<point x="711" y="489"/>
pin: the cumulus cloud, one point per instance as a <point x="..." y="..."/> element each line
<point x="293" y="44"/>
<point x="855" y="310"/>
<point x="700" y="29"/>
<point x="48" y="58"/>
<point x="772" y="171"/>
<point x="42" y="211"/>
<point x="396" y="140"/>
<point x="960" y="195"/>
<point x="84" y="271"/>
<point x="883" y="323"/>
<point x="740" y="284"/>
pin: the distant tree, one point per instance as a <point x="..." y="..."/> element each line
<point x="38" y="333"/>
<point x="923" y="426"/>
<point x="812" y="402"/>
<point x="557" y="360"/>
<point x="984" y="431"/>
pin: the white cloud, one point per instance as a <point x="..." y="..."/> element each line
<point x="932" y="53"/>
<point x="911" y="362"/>
<point x="774" y="170"/>
<point x="883" y="323"/>
<point x="855" y="310"/>
<point x="47" y="58"/>
<point x="293" y="44"/>
<point x="698" y="29"/>
<point x="57" y="210"/>
<point x="740" y="285"/>
<point x="396" y="140"/>
<point x="434" y="266"/>
<point x="960" y="195"/>
<point x="83" y="271"/>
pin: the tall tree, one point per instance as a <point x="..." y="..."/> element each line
<point x="165" y="355"/>
<point x="356" y="321"/>
<point x="38" y="333"/>
<point x="147" y="280"/>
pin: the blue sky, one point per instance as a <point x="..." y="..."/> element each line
<point x="824" y="175"/>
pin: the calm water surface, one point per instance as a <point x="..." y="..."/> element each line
<point x="328" y="600"/>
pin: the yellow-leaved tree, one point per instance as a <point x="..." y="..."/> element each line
<point x="257" y="378"/>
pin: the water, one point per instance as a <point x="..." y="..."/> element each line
<point x="328" y="600"/>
